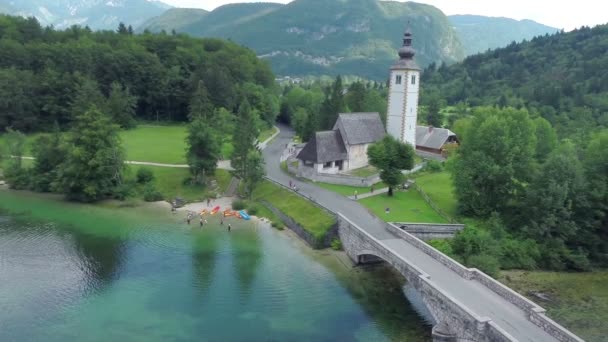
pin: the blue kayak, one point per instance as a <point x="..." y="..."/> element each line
<point x="244" y="215"/>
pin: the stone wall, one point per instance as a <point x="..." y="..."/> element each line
<point x="429" y="231"/>
<point x="339" y="179"/>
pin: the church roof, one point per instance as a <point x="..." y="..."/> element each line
<point x="324" y="147"/>
<point x="432" y="137"/>
<point x="360" y="128"/>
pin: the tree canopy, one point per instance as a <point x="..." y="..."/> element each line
<point x="53" y="76"/>
<point x="391" y="157"/>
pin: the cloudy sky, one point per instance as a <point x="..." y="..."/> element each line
<point x="557" y="13"/>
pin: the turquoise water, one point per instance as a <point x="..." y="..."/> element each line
<point x="89" y="273"/>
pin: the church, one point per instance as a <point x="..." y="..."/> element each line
<point x="344" y="148"/>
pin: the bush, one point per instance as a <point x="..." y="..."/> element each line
<point x="253" y="209"/>
<point x="124" y="190"/>
<point x="517" y="254"/>
<point x="144" y="175"/>
<point x="434" y="166"/>
<point x="239" y="205"/>
<point x="486" y="263"/>
<point x="443" y="246"/>
<point x="151" y="194"/>
<point x="336" y="244"/>
<point x="18" y="178"/>
<point x="278" y="225"/>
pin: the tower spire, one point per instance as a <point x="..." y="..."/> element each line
<point x="407" y="51"/>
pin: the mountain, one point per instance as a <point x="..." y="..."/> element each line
<point x="97" y="14"/>
<point x="174" y="19"/>
<point x="479" y="33"/>
<point x="563" y="77"/>
<point x="327" y="37"/>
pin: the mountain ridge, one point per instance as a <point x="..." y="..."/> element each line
<point x="314" y="37"/>
<point x="480" y="33"/>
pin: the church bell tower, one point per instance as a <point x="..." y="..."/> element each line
<point x="403" y="94"/>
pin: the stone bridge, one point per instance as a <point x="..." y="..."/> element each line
<point x="466" y="304"/>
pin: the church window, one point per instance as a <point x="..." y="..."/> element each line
<point x="413" y="79"/>
<point x="398" y="79"/>
<point x="327" y="165"/>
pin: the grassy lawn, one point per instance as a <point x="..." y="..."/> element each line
<point x="349" y="190"/>
<point x="439" y="187"/>
<point x="266" y="134"/>
<point x="406" y="206"/>
<point x="364" y="171"/>
<point x="312" y="218"/>
<point x="29" y="141"/>
<point x="170" y="182"/>
<point x="579" y="301"/>
<point x="159" y="144"/>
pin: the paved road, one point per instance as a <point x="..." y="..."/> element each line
<point x="479" y="299"/>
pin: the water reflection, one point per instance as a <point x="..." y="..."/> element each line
<point x="204" y="255"/>
<point x="247" y="256"/>
<point x="101" y="258"/>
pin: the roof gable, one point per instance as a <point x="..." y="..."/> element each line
<point x="324" y="147"/>
<point x="360" y="128"/>
<point x="432" y="137"/>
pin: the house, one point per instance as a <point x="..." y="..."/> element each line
<point x="434" y="142"/>
<point x="342" y="149"/>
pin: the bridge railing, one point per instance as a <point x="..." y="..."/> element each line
<point x="536" y="314"/>
<point x="424" y="284"/>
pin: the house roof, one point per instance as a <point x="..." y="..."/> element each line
<point x="324" y="147"/>
<point x="360" y="128"/>
<point x="432" y="137"/>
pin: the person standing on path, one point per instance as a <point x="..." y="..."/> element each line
<point x="355" y="195"/>
<point x="188" y="218"/>
<point x="208" y="202"/>
<point x="372" y="189"/>
<point x="201" y="222"/>
<point x="229" y="226"/>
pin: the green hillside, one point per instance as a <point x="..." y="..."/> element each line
<point x="478" y="33"/>
<point x="174" y="18"/>
<point x="563" y="77"/>
<point x="328" y="37"/>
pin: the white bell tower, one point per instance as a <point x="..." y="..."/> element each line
<point x="403" y="93"/>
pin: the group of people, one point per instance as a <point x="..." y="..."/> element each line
<point x="203" y="220"/>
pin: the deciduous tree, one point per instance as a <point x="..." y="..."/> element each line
<point x="391" y="156"/>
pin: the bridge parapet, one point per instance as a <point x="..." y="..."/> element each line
<point x="443" y="307"/>
<point x="536" y="314"/>
<point x="429" y="231"/>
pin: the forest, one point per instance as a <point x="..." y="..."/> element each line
<point x="84" y="87"/>
<point x="131" y="77"/>
<point x="563" y="77"/>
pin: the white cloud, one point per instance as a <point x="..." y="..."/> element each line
<point x="558" y="13"/>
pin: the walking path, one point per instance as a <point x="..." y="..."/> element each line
<point x="478" y="298"/>
<point x="369" y="194"/>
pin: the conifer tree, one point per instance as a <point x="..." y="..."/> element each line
<point x="243" y="138"/>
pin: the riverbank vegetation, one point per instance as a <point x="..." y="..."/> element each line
<point x="310" y="217"/>
<point x="579" y="301"/>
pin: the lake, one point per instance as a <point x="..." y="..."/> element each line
<point x="71" y="272"/>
